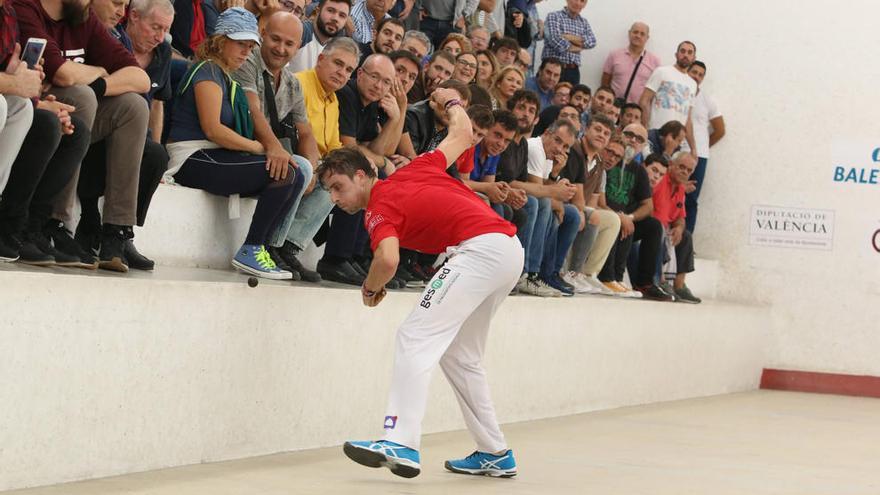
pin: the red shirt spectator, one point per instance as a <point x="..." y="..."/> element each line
<point x="668" y="201"/>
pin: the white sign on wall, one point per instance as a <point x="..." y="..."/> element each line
<point x="784" y="227"/>
<point x="856" y="162"/>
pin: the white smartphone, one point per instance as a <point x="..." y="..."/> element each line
<point x="33" y="51"/>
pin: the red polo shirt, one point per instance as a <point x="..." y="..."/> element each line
<point x="427" y="210"/>
<point x="668" y="201"/>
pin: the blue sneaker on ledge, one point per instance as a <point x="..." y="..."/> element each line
<point x="482" y="463"/>
<point x="254" y="259"/>
<point x="402" y="461"/>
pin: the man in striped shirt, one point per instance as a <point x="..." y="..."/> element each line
<point x="566" y="35"/>
<point x="364" y="15"/>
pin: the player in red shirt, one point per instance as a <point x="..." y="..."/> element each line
<point x="420" y="207"/>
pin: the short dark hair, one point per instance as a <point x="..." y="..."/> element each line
<point x="393" y="20"/>
<point x="397" y="54"/>
<point x="458" y="86"/>
<point x="442" y="54"/>
<point x="634" y="106"/>
<point x="606" y="89"/>
<point x="686" y="42"/>
<point x="602" y="120"/>
<point x="549" y="61"/>
<point x="506" y="119"/>
<point x="656" y="158"/>
<point x="523" y="95"/>
<point x="481" y="116"/>
<point x="581" y="88"/>
<point x="569" y="105"/>
<point x="344" y="161"/>
<point x="322" y="2"/>
<point x="673" y="127"/>
<point x="699" y="63"/>
<point x="505" y="42"/>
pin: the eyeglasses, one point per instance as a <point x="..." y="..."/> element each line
<point x="377" y="79"/>
<point x="632" y="135"/>
<point x="292" y="7"/>
<point x="613" y="154"/>
<point x="472" y="65"/>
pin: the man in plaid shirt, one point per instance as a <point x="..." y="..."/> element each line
<point x="566" y="35"/>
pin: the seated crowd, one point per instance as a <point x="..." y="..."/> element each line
<point x="246" y="97"/>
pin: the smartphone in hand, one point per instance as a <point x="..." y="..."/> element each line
<point x="33" y="51"/>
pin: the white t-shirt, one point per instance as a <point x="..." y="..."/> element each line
<point x="539" y="165"/>
<point x="673" y="98"/>
<point x="307" y="56"/>
<point x="704" y="111"/>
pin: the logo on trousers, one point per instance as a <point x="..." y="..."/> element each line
<point x="435" y="286"/>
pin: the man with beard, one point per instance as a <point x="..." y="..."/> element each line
<point x="329" y="23"/>
<point x="272" y="88"/>
<point x="425" y="126"/>
<point x="440" y="67"/>
<point x="144" y="36"/>
<point x="373" y="121"/>
<point x="389" y="35"/>
<point x="669" y="93"/>
<point x="104" y="82"/>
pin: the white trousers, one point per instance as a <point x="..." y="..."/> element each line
<point x="449" y="326"/>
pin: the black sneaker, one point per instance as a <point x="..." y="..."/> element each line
<point x="686" y="296"/>
<point x="275" y="254"/>
<point x="89" y="242"/>
<point x="358" y="268"/>
<point x="30" y="254"/>
<point x="287" y="253"/>
<point x="63" y="242"/>
<point x="9" y="248"/>
<point x="113" y="249"/>
<point x="340" y="272"/>
<point x="36" y="242"/>
<point x="653" y="293"/>
<point x="135" y="259"/>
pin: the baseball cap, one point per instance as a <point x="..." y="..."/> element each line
<point x="238" y="24"/>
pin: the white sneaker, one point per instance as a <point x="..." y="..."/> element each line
<point x="579" y="281"/>
<point x="536" y="287"/>
<point x="630" y="293"/>
<point x="598" y="286"/>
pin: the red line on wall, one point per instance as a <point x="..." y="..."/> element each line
<point x="821" y="383"/>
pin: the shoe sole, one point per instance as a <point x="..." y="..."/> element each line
<point x="115" y="265"/>
<point x="494" y="473"/>
<point x="339" y="280"/>
<point x="6" y="259"/>
<point x="680" y="300"/>
<point x="373" y="459"/>
<point x="258" y="273"/>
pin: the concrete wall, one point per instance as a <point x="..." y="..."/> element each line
<point x="792" y="78"/>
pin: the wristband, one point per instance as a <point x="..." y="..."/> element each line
<point x="451" y="103"/>
<point x="367" y="293"/>
<point x="99" y="86"/>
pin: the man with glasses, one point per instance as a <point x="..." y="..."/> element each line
<point x="295" y="7"/>
<point x="389" y="35"/>
<point x="479" y="37"/>
<point x="635" y="137"/>
<point x="372" y="122"/>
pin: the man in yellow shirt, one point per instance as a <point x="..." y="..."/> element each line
<point x="335" y="64"/>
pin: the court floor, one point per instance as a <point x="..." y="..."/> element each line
<point x="745" y="444"/>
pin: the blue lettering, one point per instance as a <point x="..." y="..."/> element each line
<point x="838" y="174"/>
<point x="852" y="176"/>
<point x="876" y="155"/>
<point x="874" y="173"/>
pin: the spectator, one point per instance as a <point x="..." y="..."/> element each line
<point x="544" y="83"/>
<point x="566" y="35"/>
<point x="631" y="114"/>
<point x="561" y="93"/>
<point x="373" y="121"/>
<point x="524" y="60"/>
<point x="602" y="103"/>
<point x="104" y="86"/>
<point x="408" y="68"/>
<point x="281" y="121"/>
<point x="580" y="100"/>
<point x="668" y="199"/>
<point x="389" y="36"/>
<point x="144" y="36"/>
<point x="709" y="128"/>
<point x="212" y="147"/>
<point x="669" y="93"/>
<point x="364" y="15"/>
<point x="627" y="70"/>
<point x="506" y="51"/>
<point x="484" y="17"/>
<point x="444" y="17"/>
<point x="507" y="82"/>
<point x="666" y="140"/>
<point x="628" y="193"/>
<point x="295" y="7"/>
<point x="440" y="68"/>
<point x="487" y="68"/>
<point x="426" y="123"/>
<point x="656" y="166"/>
<point x="516" y="25"/>
<point x="417" y="43"/>
<point x="328" y="23"/>
<point x="190" y="26"/>
<point x="592" y="244"/>
<point x="479" y="37"/>
<point x="635" y="138"/>
<point x="465" y="68"/>
<point x="456" y="43"/>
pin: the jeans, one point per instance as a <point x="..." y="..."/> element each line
<point x="279" y="235"/>
<point x="690" y="200"/>
<point x="559" y="239"/>
<point x="535" y="245"/>
<point x="312" y="211"/>
<point x="530" y="209"/>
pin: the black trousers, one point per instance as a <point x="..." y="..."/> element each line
<point x="648" y="233"/>
<point x="684" y="254"/>
<point x="46" y="163"/>
<point x="345" y="237"/>
<point x="92" y="182"/>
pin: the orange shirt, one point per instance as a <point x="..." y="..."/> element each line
<point x="668" y="201"/>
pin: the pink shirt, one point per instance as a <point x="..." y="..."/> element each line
<point x="620" y="65"/>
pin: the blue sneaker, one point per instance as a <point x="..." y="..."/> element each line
<point x="254" y="259"/>
<point x="482" y="463"/>
<point x="402" y="461"/>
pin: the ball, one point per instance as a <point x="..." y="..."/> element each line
<point x="252" y="281"/>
